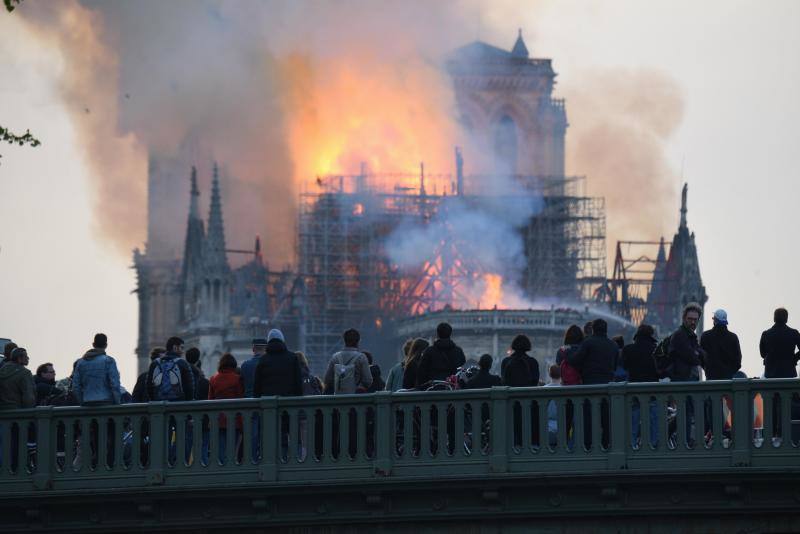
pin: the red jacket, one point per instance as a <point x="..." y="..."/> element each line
<point x="226" y="384"/>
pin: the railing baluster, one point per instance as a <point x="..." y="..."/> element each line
<point x="425" y="430"/>
<point x="442" y="434"/>
<point x="477" y="429"/>
<point x="327" y="436"/>
<point x="408" y="430"/>
<point x="247" y="437"/>
<point x="579" y="425"/>
<point x="294" y="436"/>
<point x="385" y="433"/>
<point x="102" y="443"/>
<point x="786" y="419"/>
<point x="527" y="435"/>
<point x="597" y="431"/>
<point x="458" y="408"/>
<point x="718" y="419"/>
<point x="561" y="427"/>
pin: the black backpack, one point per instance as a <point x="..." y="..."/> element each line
<point x="662" y="357"/>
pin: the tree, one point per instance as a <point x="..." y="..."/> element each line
<point x="11" y="4"/>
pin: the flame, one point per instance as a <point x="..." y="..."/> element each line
<point x="492" y="296"/>
<point x="348" y="110"/>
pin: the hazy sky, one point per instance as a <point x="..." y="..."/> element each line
<point x="736" y="63"/>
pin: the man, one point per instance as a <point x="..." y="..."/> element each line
<point x="684" y="350"/>
<point x="140" y="389"/>
<point x="637" y="358"/>
<point x="200" y="381"/>
<point x="95" y="380"/>
<point x="777" y="347"/>
<point x="248" y="368"/>
<point x="484" y="377"/>
<point x="7" y="349"/>
<point x="16" y="382"/>
<point x="170" y="377"/>
<point x="45" y="381"/>
<point x="723" y="355"/>
<point x="440" y="360"/>
<point x="596" y="357"/>
<point x="348" y="369"/>
<point x="278" y="372"/>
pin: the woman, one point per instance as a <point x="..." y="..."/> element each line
<point x="412" y="361"/>
<point x="572" y="342"/>
<point x="519" y="369"/>
<point x="227" y="384"/>
<point x="395" y="379"/>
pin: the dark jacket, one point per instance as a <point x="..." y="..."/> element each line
<point x="439" y="361"/>
<point x="410" y="374"/>
<point x="16" y="387"/>
<point x="248" y="372"/>
<point x="519" y="370"/>
<point x="200" y="383"/>
<point x="187" y="377"/>
<point x="686" y="354"/>
<point x="96" y="378"/>
<point x="377" y="381"/>
<point x="483" y="379"/>
<point x="723" y="355"/>
<point x="140" y="389"/>
<point x="777" y="348"/>
<point x="44" y="388"/>
<point x="278" y="372"/>
<point x="637" y="359"/>
<point x="595" y="359"/>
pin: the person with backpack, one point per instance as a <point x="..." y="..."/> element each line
<point x="170" y="377"/>
<point x="440" y="360"/>
<point x="348" y="369"/>
<point x="638" y="361"/>
<point x="95" y="379"/>
<point x="573" y="338"/>
<point x="278" y="372"/>
<point x="519" y="369"/>
<point x="248" y="367"/>
<point x="200" y="381"/>
<point x="723" y="354"/>
<point x="140" y="388"/>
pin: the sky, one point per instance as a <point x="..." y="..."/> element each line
<point x="735" y="64"/>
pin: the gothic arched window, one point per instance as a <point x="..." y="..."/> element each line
<point x="505" y="146"/>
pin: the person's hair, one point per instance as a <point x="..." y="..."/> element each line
<point x="587" y="329"/>
<point x="521" y="343"/>
<point x="619" y="340"/>
<point x="692" y="306"/>
<point x="42" y="369"/>
<point x="781" y="316"/>
<point x="486" y="362"/>
<point x="417" y="347"/>
<point x="156" y="352"/>
<point x="406" y="348"/>
<point x="644" y="330"/>
<point x="599" y="327"/>
<point x="302" y="358"/>
<point x="100" y="341"/>
<point x="227" y="361"/>
<point x="173" y="342"/>
<point x="573" y="335"/>
<point x="368" y="354"/>
<point x="10" y="346"/>
<point x="193" y="355"/>
<point x="554" y="372"/>
<point x="351" y="337"/>
<point x="444" y="331"/>
<point x="18" y="353"/>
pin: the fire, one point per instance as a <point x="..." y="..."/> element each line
<point x="344" y="111"/>
<point x="492" y="296"/>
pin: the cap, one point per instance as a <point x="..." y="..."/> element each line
<point x="275" y="334"/>
<point x="259" y="341"/>
<point x="721" y="316"/>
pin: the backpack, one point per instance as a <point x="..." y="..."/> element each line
<point x="167" y="380"/>
<point x="344" y="376"/>
<point x="664" y="363"/>
<point x="311" y="385"/>
<point x="570" y="376"/>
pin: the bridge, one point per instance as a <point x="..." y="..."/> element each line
<point x="717" y="455"/>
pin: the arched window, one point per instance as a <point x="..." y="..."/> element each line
<point x="505" y="146"/>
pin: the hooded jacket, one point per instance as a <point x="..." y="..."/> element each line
<point x="519" y="370"/>
<point x="16" y="387"/>
<point x="95" y="379"/>
<point x="278" y="372"/>
<point x="595" y="359"/>
<point x="723" y="355"/>
<point x="439" y="361"/>
<point x="637" y="358"/>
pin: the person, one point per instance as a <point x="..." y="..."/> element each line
<point x="200" y="381"/>
<point x="16" y="382"/>
<point x="777" y="347"/>
<point x="375" y="370"/>
<point x="394" y="380"/>
<point x="587" y="329"/>
<point x="638" y="361"/>
<point x="573" y="338"/>
<point x="7" y="350"/>
<point x="440" y="360"/>
<point x="278" y="372"/>
<point x="685" y="353"/>
<point x="226" y="384"/>
<point x="140" y="388"/>
<point x="95" y="379"/>
<point x="418" y="347"/>
<point x="248" y="368"/>
<point x="554" y="372"/>
<point x="170" y="377"/>
<point x="723" y="354"/>
<point x="519" y="369"/>
<point x="620" y="374"/>
<point x="348" y="369"/>
<point x="45" y="381"/>
<point x="596" y="356"/>
<point x="312" y="385"/>
<point x="484" y="377"/>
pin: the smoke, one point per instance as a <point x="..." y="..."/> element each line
<point x="620" y="124"/>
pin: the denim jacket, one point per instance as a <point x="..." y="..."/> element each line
<point x="96" y="378"/>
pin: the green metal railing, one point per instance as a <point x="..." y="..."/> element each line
<point x="398" y="436"/>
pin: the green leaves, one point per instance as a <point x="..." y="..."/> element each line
<point x="10" y="4"/>
<point x="11" y="138"/>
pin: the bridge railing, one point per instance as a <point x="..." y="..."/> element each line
<point x="393" y="436"/>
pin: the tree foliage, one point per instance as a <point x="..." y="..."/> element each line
<point x="5" y="134"/>
<point x="11" y="4"/>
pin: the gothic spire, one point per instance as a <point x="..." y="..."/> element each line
<point x="215" y="241"/>
<point x="520" y="50"/>
<point x="192" y="250"/>
<point x="194" y="199"/>
<point x="683" y="205"/>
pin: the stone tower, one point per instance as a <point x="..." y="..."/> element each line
<point x="506" y="106"/>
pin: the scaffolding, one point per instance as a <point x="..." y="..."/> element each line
<point x="350" y="281"/>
